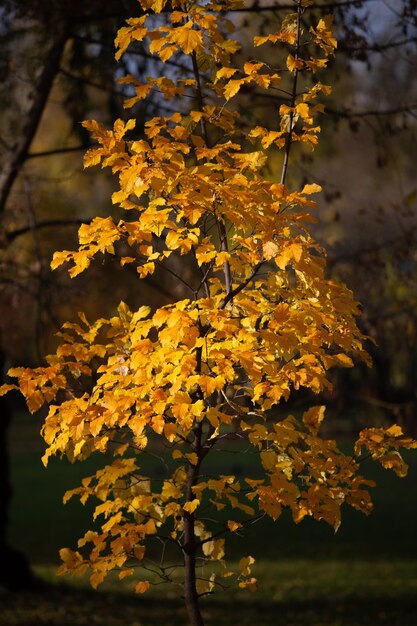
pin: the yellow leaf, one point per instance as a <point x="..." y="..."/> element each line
<point x="191" y="506"/>
<point x="269" y="459"/>
<point x="135" y="31"/>
<point x="178" y="16"/>
<point x="142" y="586"/>
<point x="296" y="251"/>
<point x="270" y="250"/>
<point x="232" y="88"/>
<point x="394" y="430"/>
<point x="192" y="458"/>
<point x="309" y="189"/>
<point x="92" y="157"/>
<point x="166" y="53"/>
<point x="343" y="360"/>
<point x="170" y="431"/>
<point x="225" y="72"/>
<point x="139" y="552"/>
<point x="300" y="513"/>
<point x="324" y="34"/>
<point x="72" y="562"/>
<point x="126" y="572"/>
<point x="250" y="68"/>
<point x="6" y="388"/>
<point x="393" y="460"/>
<point x="214" y="549"/>
<point x="284" y="257"/>
<point x="249" y="583"/>
<point x="294" y="64"/>
<point x="245" y="565"/>
<point x="209" y="385"/>
<point x="189" y="40"/>
<point x="170" y="490"/>
<point x="97" y="578"/>
<point x="314" y="416"/>
<point x="59" y="258"/>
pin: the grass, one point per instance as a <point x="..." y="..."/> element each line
<point x="366" y="574"/>
<point x="292" y="593"/>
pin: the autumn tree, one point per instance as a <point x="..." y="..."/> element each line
<point x="260" y="320"/>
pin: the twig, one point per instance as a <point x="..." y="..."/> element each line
<point x="240" y="287"/>
<point x="288" y="142"/>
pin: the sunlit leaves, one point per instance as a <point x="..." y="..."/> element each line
<point x="135" y="31"/>
<point x="323" y="35"/>
<point x="188" y="39"/>
<point x="191" y="505"/>
<point x="142" y="586"/>
<point x="286" y="34"/>
<point x="246" y="581"/>
<point x="256" y="320"/>
<point x="313" y="417"/>
<point x="383" y="445"/>
<point x="72" y="562"/>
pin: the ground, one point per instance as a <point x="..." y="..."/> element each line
<point x="365" y="575"/>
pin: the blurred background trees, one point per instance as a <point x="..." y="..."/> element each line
<point x="57" y="68"/>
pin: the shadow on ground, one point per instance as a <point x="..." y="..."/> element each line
<point x="60" y="605"/>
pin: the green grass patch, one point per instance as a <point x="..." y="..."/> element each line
<point x="366" y="574"/>
<point x="291" y="593"/>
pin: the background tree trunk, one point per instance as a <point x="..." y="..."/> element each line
<point x="15" y="572"/>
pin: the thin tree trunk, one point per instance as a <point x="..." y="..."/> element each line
<point x="191" y="595"/>
<point x="190" y="579"/>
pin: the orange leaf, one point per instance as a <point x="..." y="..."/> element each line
<point x="142" y="586"/>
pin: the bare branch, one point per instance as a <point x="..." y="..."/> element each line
<point x="324" y="6"/>
<point x="375" y="47"/>
<point x="55" y="151"/>
<point x="240" y="287"/>
<point x="11" y="235"/>
<point x="288" y="142"/>
<point x="347" y="114"/>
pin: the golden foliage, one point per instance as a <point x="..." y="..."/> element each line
<point x="261" y="321"/>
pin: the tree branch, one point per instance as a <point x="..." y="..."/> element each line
<point x="53" y="152"/>
<point x="240" y="287"/>
<point x="11" y="235"/>
<point x="375" y="47"/>
<point x="346" y="114"/>
<point x="293" y="97"/>
<point x="325" y="6"/>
